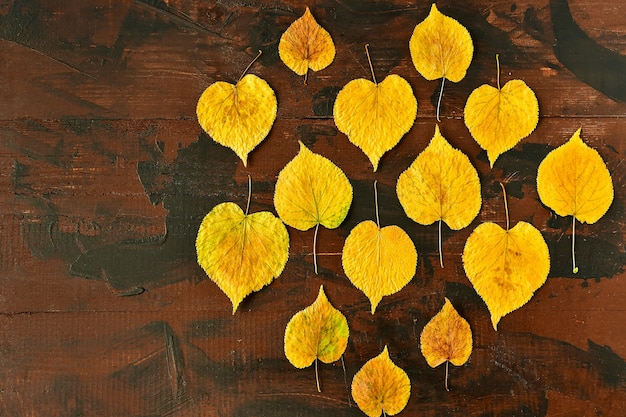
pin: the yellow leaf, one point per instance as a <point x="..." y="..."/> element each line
<point x="381" y="387"/>
<point x="375" y="116"/>
<point x="241" y="252"/>
<point x="573" y="181"/>
<point x="305" y="44"/>
<point x="441" y="48"/>
<point x="319" y="331"/>
<point x="447" y="337"/>
<point x="440" y="185"/>
<point x="378" y="261"/>
<point x="310" y="191"/>
<point x="238" y="116"/>
<point x="506" y="267"/>
<point x="498" y="118"/>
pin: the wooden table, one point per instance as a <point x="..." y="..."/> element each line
<point x="106" y="176"/>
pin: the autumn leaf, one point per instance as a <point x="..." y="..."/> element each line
<point x="507" y="266"/>
<point x="447" y="337"/>
<point x="305" y="44"/>
<point x="441" y="48"/>
<point x="440" y="185"/>
<point x="310" y="191"/>
<point x="238" y="116"/>
<point x="375" y="116"/>
<point x="241" y="252"/>
<point x="381" y="387"/>
<point x="573" y="181"/>
<point x="319" y="331"/>
<point x="378" y="261"/>
<point x="498" y="118"/>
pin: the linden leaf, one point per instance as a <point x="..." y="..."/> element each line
<point x="440" y="185"/>
<point x="573" y="181"/>
<point x="378" y="261"/>
<point x="506" y="267"/>
<point x="241" y="252"/>
<point x="381" y="387"/>
<point x="305" y="44"/>
<point x="498" y="118"/>
<point x="447" y="337"/>
<point x="238" y="116"/>
<point x="310" y="191"/>
<point x="441" y="48"/>
<point x="319" y="331"/>
<point x="375" y="116"/>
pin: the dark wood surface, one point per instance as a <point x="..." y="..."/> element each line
<point x="106" y="175"/>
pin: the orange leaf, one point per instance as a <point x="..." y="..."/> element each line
<point x="319" y="331"/>
<point x="381" y="387"/>
<point x="305" y="44"/>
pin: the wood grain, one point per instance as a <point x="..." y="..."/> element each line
<point x="106" y="176"/>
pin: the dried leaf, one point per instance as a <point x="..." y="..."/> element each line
<point x="506" y="267"/>
<point x="447" y="337"/>
<point x="310" y="191"/>
<point x="573" y="181"/>
<point x="440" y="185"/>
<point x="498" y="118"/>
<point x="238" y="116"/>
<point x="319" y="331"/>
<point x="375" y="116"/>
<point x="241" y="252"/>
<point x="381" y="387"/>
<point x="305" y="44"/>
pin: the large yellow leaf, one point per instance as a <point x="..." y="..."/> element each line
<point x="378" y="261"/>
<point x="375" y="116"/>
<point x="381" y="386"/>
<point x="238" y="116"/>
<point x="440" y="185"/>
<point x="310" y="191"/>
<point x="305" y="44"/>
<point x="498" y="118"/>
<point x="319" y="331"/>
<point x="447" y="337"/>
<point x="573" y="181"/>
<point x="241" y="252"/>
<point x="506" y="267"/>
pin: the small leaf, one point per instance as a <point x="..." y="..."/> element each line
<point x="498" y="118"/>
<point x="305" y="44"/>
<point x="381" y="387"/>
<point x="238" y="116"/>
<point x="319" y="331"/>
<point x="310" y="191"/>
<point x="447" y="337"/>
<point x="241" y="252"/>
<point x="440" y="185"/>
<point x="573" y="181"/>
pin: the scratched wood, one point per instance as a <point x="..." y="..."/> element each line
<point x="106" y="176"/>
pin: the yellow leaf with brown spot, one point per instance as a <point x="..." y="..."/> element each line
<point x="447" y="337"/>
<point x="305" y="44"/>
<point x="506" y="267"/>
<point x="238" y="116"/>
<point x="375" y="116"/>
<point x="440" y="185"/>
<point x="378" y="261"/>
<point x="241" y="252"/>
<point x="381" y="387"/>
<point x="319" y="331"/>
<point x="498" y="118"/>
<point x="573" y="181"/>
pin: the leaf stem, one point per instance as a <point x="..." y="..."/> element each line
<point x="317" y="377"/>
<point x="249" y="193"/>
<point x="446" y="380"/>
<point x="367" y="52"/>
<point x="439" y="100"/>
<point x="249" y="65"/>
<point x="440" y="249"/>
<point x="574" y="267"/>
<point x="498" y="69"/>
<point x="506" y="206"/>
<point x="317" y="227"/>
<point x="376" y="203"/>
